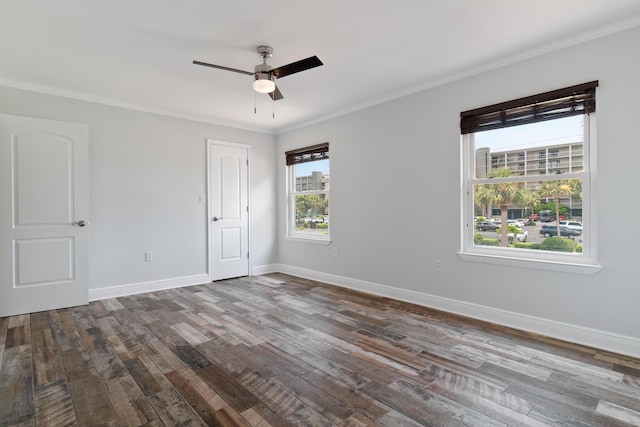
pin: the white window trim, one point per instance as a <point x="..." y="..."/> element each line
<point x="585" y="263"/>
<point x="308" y="239"/>
<point x="291" y="234"/>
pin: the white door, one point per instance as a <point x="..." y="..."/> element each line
<point x="228" y="210"/>
<point x="44" y="210"/>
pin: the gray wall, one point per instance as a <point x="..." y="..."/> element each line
<point x="147" y="172"/>
<point x="396" y="209"/>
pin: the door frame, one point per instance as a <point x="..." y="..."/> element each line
<point x="210" y="143"/>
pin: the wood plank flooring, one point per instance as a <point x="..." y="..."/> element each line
<point x="277" y="350"/>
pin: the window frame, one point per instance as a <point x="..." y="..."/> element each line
<point x="585" y="263"/>
<point x="291" y="193"/>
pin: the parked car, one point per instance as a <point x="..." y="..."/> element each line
<point x="548" y="230"/>
<point x="521" y="236"/>
<point x="487" y="226"/>
<point x="547" y="216"/>
<point x="517" y="222"/>
<point x="534" y="217"/>
<point x="573" y="225"/>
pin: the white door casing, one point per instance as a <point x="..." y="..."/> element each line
<point x="44" y="210"/>
<point x="228" y="179"/>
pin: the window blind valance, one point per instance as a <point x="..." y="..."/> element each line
<point x="307" y="154"/>
<point x="570" y="101"/>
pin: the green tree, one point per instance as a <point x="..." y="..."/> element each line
<point x="555" y="190"/>
<point x="310" y="205"/>
<point x="315" y="202"/>
<point x="503" y="194"/>
<point x="301" y="208"/>
<point x="551" y="206"/>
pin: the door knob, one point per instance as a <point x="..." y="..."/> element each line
<point x="215" y="218"/>
<point x="80" y="223"/>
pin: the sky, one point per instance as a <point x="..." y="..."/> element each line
<point x="305" y="169"/>
<point x="560" y="131"/>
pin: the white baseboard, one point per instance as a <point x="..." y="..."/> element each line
<point x="604" y="340"/>
<point x="265" y="269"/>
<point x="159" y="285"/>
<point x="138" y="288"/>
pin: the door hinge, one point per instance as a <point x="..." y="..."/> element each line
<point x="247" y="208"/>
<point x="247" y="254"/>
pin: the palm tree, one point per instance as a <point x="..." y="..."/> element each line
<point x="555" y="190"/>
<point x="315" y="202"/>
<point x="503" y="195"/>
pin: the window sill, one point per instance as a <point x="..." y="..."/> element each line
<point x="309" y="239"/>
<point x="538" y="264"/>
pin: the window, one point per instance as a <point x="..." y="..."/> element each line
<point x="308" y="193"/>
<point x="554" y="133"/>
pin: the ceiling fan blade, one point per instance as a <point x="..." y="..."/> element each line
<point x="276" y="94"/>
<point x="296" y="67"/>
<point x="223" y="68"/>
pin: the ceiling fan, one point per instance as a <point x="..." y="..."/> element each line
<point x="265" y="75"/>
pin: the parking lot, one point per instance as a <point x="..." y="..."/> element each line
<point x="533" y="232"/>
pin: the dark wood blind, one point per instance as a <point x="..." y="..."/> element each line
<point x="308" y="154"/>
<point x="570" y="101"/>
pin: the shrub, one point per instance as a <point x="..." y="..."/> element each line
<point x="479" y="240"/>
<point x="525" y="245"/>
<point x="558" y="244"/>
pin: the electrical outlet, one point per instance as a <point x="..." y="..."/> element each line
<point x="335" y="251"/>
<point x="439" y="266"/>
<point x="148" y="256"/>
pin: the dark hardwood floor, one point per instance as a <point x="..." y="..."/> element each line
<point x="278" y="350"/>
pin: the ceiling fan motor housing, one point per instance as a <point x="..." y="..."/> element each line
<point x="263" y="68"/>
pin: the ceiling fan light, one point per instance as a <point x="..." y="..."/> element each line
<point x="264" y="83"/>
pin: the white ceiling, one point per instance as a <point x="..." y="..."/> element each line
<point x="139" y="53"/>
